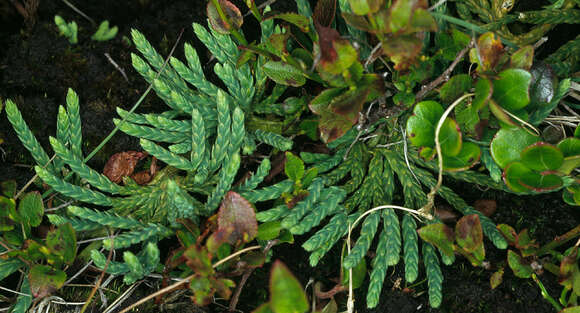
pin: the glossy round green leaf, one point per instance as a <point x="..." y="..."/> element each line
<point x="439" y="235"/>
<point x="570" y="163"/>
<point x="511" y="89"/>
<point x="468" y="156"/>
<point x="541" y="182"/>
<point x="569" y="146"/>
<point x="286" y="293"/>
<point x="421" y="125"/>
<point x="508" y="144"/>
<point x="512" y="175"/>
<point x="542" y="156"/>
<point x="450" y="138"/>
<point x="483" y="92"/>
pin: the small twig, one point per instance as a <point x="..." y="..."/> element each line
<point x="79" y="12"/>
<point x="93" y="239"/>
<point x="59" y="207"/>
<point x="186" y="280"/>
<point x="84" y="268"/>
<point x="117" y="66"/>
<point x="261" y="6"/>
<point x="445" y="75"/>
<point x="436" y="5"/>
<point x="103" y="272"/>
<point x="330" y="293"/>
<point x="32" y="179"/>
<point x="122" y="297"/>
<point x="540" y="42"/>
<point x="567" y="108"/>
<point x="244" y="279"/>
<point x="523" y="124"/>
<point x="14" y="291"/>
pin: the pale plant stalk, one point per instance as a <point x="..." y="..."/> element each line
<point x="427" y="208"/>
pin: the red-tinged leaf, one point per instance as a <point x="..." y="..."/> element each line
<point x="62" y="242"/>
<point x="364" y="7"/>
<point x="283" y="73"/>
<point x="403" y="50"/>
<point x="439" y="235"/>
<point x="237" y="214"/>
<point x="357" y="21"/>
<point x="523" y="58"/>
<point x="496" y="278"/>
<point x="400" y="14"/>
<point x="295" y="19"/>
<point x="525" y="243"/>
<point x="245" y="57"/>
<point x="199" y="260"/>
<point x="469" y="234"/>
<point x="422" y="20"/>
<point x="489" y="51"/>
<point x="508" y="232"/>
<point x="542" y="156"/>
<point x="202" y="290"/>
<point x="485" y="206"/>
<point x="520" y="267"/>
<point x="324" y="12"/>
<point x="569" y="273"/>
<point x="223" y="287"/>
<point x="574" y="309"/>
<point x="320" y="103"/>
<point x="44" y="280"/>
<point x="286" y="293"/>
<point x="232" y="12"/>
<point x="278" y="43"/>
<point x="336" y="54"/>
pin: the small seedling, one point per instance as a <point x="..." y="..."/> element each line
<point x="105" y="33"/>
<point x="69" y="30"/>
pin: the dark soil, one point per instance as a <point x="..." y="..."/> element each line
<point x="37" y="66"/>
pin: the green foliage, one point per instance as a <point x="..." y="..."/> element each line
<point x="286" y="293"/>
<point x="104" y="32"/>
<point x="69" y="30"/>
<point x="213" y="130"/>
